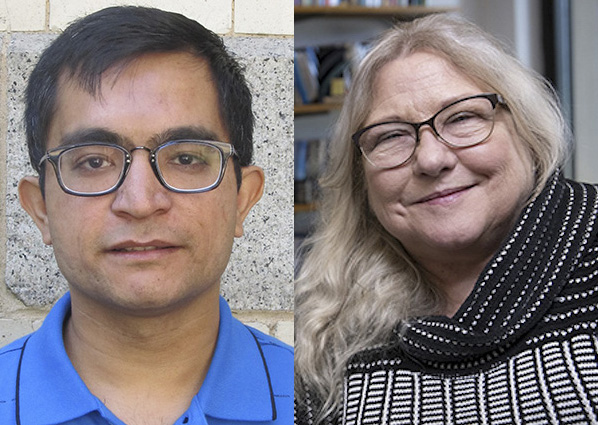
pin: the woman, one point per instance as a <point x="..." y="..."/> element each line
<point x="454" y="273"/>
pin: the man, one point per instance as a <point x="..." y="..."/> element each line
<point x="139" y="124"/>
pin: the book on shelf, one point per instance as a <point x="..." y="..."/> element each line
<point x="310" y="157"/>
<point x="306" y="75"/>
<point x="329" y="3"/>
<point x="323" y="73"/>
<point x="364" y="3"/>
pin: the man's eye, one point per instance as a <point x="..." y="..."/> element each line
<point x="96" y="162"/>
<point x="93" y="163"/>
<point x="188" y="159"/>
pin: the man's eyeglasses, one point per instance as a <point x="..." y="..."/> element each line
<point x="463" y="123"/>
<point x="184" y="166"/>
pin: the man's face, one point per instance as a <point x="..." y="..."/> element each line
<point x="143" y="249"/>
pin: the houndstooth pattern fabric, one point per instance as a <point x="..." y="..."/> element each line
<point x="523" y="348"/>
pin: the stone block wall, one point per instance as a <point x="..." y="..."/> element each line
<point x="258" y="282"/>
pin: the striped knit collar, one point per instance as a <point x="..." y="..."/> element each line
<point x="517" y="286"/>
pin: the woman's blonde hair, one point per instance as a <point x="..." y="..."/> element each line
<point x="357" y="283"/>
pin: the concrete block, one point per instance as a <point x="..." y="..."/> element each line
<point x="264" y="17"/>
<point x="31" y="272"/>
<point x="262" y="327"/>
<point x="267" y="248"/>
<point x="23" y="15"/>
<point x="260" y="273"/>
<point x="4" y="19"/>
<point x="285" y="331"/>
<point x="213" y="14"/>
<point x="13" y="329"/>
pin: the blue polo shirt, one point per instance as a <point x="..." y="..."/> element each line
<point x="250" y="380"/>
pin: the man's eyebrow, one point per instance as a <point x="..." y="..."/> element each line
<point x="89" y="135"/>
<point x="102" y="135"/>
<point x="188" y="132"/>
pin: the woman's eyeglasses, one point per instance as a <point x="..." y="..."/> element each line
<point x="463" y="123"/>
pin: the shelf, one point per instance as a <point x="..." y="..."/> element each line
<point x="345" y="26"/>
<point x="402" y="12"/>
<point x="317" y="108"/>
<point x="302" y="208"/>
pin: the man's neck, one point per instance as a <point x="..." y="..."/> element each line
<point x="144" y="369"/>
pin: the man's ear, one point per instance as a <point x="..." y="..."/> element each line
<point x="252" y="187"/>
<point x="33" y="202"/>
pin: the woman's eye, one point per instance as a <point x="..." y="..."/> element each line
<point x="393" y="135"/>
<point x="464" y="118"/>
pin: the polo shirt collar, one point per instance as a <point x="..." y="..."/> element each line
<point x="51" y="391"/>
<point x="236" y="387"/>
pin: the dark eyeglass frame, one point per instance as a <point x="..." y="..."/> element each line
<point x="227" y="151"/>
<point x="494" y="98"/>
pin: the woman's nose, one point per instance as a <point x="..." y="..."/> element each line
<point x="432" y="156"/>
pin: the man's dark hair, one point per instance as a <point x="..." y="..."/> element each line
<point x="115" y="37"/>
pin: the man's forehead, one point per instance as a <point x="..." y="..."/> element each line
<point x="196" y="124"/>
<point x="91" y="78"/>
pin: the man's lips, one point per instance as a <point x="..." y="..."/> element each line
<point x="445" y="193"/>
<point x="134" y="246"/>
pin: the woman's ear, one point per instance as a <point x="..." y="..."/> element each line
<point x="252" y="187"/>
<point x="32" y="201"/>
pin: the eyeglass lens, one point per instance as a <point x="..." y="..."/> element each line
<point x="99" y="168"/>
<point x="465" y="123"/>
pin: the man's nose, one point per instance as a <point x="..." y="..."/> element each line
<point x="141" y="193"/>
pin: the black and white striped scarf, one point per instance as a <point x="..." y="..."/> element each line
<point x="523" y="348"/>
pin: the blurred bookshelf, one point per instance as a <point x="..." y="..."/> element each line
<point x="331" y="37"/>
<point x="317" y="108"/>
<point x="388" y="10"/>
<point x="304" y="208"/>
<point x="399" y="12"/>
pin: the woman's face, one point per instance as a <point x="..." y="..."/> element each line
<point x="444" y="203"/>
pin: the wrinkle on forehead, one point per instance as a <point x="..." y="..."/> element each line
<point x="413" y="87"/>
